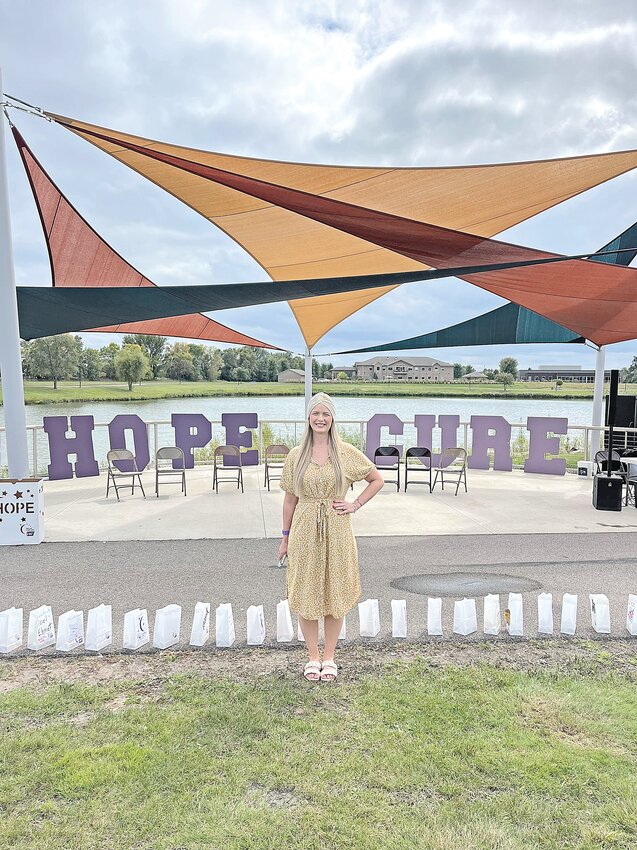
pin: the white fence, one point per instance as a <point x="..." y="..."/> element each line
<point x="160" y="433"/>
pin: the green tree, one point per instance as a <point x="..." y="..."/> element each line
<point x="341" y="376"/>
<point x="458" y="370"/>
<point x="510" y="365"/>
<point x="154" y="347"/>
<point x="54" y="357"/>
<point x="241" y="374"/>
<point x="108" y="354"/>
<point x="180" y="364"/>
<point x="629" y="374"/>
<point x="131" y="364"/>
<point x="505" y="378"/>
<point x="212" y="364"/>
<point x="91" y="364"/>
<point x="467" y="370"/>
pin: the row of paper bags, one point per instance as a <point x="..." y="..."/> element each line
<point x="167" y="628"/>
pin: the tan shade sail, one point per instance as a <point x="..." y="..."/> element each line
<point x="79" y="256"/>
<point x="293" y="236"/>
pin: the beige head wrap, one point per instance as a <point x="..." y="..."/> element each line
<point x="321" y="398"/>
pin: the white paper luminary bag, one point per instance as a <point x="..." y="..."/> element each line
<point x="41" y="628"/>
<point x="200" y="631"/>
<point x="284" y="625"/>
<point x="399" y="618"/>
<point x="631" y="614"/>
<point x="492" y="616"/>
<point x="136" y="631"/>
<point x="224" y="623"/>
<point x="515" y="621"/>
<point x="167" y="626"/>
<point x="434" y="616"/>
<point x="255" y="625"/>
<point x="70" y="631"/>
<point x="600" y="613"/>
<point x="11" y="628"/>
<point x="369" y="618"/>
<point x="465" y="620"/>
<point x="99" y="628"/>
<point x="545" y="613"/>
<point x="569" y="614"/>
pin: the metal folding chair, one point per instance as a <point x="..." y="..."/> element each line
<point x="274" y="458"/>
<point x="170" y="461"/>
<point x="453" y="462"/>
<point x="220" y="453"/>
<point x="392" y="452"/>
<point x="126" y="458"/>
<point x="419" y="454"/>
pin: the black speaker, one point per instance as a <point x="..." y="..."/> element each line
<point x="607" y="492"/>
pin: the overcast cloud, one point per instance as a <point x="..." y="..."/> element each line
<point x="364" y="83"/>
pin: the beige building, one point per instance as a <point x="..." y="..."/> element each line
<point x="291" y="376"/>
<point x="404" y="369"/>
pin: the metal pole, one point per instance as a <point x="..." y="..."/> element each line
<point x="10" y="356"/>
<point x="598" y="398"/>
<point x="308" y="375"/>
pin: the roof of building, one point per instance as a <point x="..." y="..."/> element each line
<point x="474" y="375"/>
<point x="413" y="361"/>
<point x="296" y="371"/>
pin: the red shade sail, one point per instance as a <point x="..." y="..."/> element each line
<point x="79" y="256"/>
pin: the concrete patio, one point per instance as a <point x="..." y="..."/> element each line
<point x="496" y="503"/>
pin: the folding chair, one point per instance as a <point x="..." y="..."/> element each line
<point x="419" y="453"/>
<point x="219" y="454"/>
<point x="165" y="465"/>
<point x="389" y="451"/>
<point x="115" y="457"/>
<point x="453" y="462"/>
<point x="278" y="452"/>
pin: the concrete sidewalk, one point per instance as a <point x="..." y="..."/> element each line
<point x="496" y="503"/>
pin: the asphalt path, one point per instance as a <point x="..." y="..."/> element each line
<point x="151" y="574"/>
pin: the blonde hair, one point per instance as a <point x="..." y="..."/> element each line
<point x="334" y="444"/>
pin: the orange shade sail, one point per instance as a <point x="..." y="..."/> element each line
<point x="79" y="256"/>
<point x="306" y="221"/>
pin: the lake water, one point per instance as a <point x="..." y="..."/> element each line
<point x="291" y="408"/>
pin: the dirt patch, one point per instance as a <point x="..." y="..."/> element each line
<point x="150" y="670"/>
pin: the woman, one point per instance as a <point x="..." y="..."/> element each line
<point x="322" y="578"/>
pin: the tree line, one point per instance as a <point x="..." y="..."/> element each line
<point x="142" y="357"/>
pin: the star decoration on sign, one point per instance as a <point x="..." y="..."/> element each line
<point x="4" y="492"/>
<point x="18" y="494"/>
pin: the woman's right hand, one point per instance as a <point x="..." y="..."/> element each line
<point x="283" y="547"/>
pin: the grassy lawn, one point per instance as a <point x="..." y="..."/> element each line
<point x="40" y="392"/>
<point x="410" y="756"/>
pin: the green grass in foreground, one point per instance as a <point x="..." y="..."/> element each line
<point x="413" y="757"/>
<point x="41" y="392"/>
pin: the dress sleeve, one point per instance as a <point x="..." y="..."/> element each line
<point x="357" y="465"/>
<point x="287" y="474"/>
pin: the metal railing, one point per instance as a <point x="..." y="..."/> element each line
<point x="161" y="433"/>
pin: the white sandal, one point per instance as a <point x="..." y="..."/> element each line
<point x="329" y="671"/>
<point x="312" y="671"/>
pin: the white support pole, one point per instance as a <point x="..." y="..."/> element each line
<point x="10" y="358"/>
<point x="598" y="398"/>
<point x="308" y="376"/>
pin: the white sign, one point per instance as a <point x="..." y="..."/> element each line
<point x="21" y="511"/>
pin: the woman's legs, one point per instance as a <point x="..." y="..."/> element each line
<point x="332" y="628"/>
<point x="310" y="633"/>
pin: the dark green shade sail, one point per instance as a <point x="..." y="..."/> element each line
<point x="46" y="311"/>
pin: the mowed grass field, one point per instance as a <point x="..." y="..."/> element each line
<point x="414" y="755"/>
<point x="42" y="392"/>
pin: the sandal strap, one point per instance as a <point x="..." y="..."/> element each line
<point x="329" y="666"/>
<point x="312" y="666"/>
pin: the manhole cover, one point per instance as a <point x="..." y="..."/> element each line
<point x="464" y="584"/>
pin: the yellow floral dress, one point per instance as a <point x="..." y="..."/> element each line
<point x="322" y="575"/>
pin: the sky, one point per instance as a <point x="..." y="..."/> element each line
<point x="366" y="82"/>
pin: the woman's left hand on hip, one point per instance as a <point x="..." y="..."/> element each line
<point x="343" y="507"/>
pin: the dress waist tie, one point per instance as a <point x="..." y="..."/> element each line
<point x="322" y="507"/>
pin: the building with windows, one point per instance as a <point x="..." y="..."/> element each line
<point x="349" y="371"/>
<point x="404" y="369"/>
<point x="573" y="374"/>
<point x="291" y="376"/>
